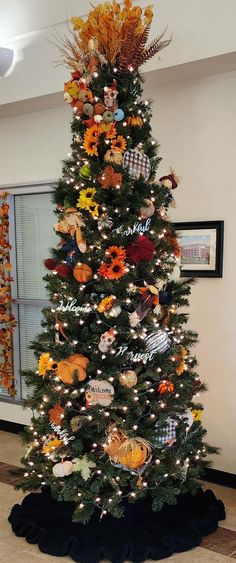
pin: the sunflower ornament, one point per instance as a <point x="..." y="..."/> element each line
<point x="46" y="363"/>
<point x="116" y="252"/>
<point x="106" y="304"/>
<point x="116" y="269"/>
<point x="87" y="202"/>
<point x="119" y="143"/>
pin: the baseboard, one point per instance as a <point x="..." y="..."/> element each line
<point x="220" y="478"/>
<point x="12" y="427"/>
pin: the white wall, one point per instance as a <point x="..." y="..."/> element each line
<point x="200" y="30"/>
<point x="33" y="146"/>
<point x="195" y="122"/>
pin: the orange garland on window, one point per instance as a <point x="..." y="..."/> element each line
<point x="7" y="320"/>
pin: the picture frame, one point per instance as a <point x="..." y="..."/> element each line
<point x="201" y="244"/>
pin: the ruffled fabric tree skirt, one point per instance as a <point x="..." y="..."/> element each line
<point x="141" y="534"/>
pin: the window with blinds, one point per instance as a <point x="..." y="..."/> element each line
<point x="32" y="235"/>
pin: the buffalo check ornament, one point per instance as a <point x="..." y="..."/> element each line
<point x="137" y="163"/>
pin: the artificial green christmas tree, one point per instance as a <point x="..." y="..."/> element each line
<point x="116" y="380"/>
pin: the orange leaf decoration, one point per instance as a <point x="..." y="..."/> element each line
<point x="55" y="414"/>
<point x="110" y="178"/>
<point x="7" y="321"/>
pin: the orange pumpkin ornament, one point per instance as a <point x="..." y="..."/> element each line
<point x="82" y="273"/>
<point x="133" y="453"/>
<point x="166" y="387"/>
<point x="66" y="368"/>
<point x="134" y="121"/>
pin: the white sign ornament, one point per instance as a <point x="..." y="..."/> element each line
<point x="135" y="357"/>
<point x="71" y="307"/>
<point x="139" y="228"/>
<point x="99" y="393"/>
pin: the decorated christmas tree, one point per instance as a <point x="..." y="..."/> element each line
<point x="115" y="392"/>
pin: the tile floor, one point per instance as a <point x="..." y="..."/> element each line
<point x="219" y="547"/>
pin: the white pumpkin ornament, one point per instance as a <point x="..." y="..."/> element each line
<point x="148" y="210"/>
<point x="63" y="469"/>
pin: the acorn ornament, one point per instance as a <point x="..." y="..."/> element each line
<point x="170" y="181"/>
<point x="128" y="378"/>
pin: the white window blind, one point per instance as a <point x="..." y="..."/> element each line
<point x="32" y="235"/>
<point x="34" y="220"/>
<point x="29" y="322"/>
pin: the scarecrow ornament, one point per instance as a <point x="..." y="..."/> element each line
<point x="130" y="454"/>
<point x="71" y="224"/>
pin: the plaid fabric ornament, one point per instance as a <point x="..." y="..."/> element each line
<point x="138" y="164"/>
<point x="168" y="433"/>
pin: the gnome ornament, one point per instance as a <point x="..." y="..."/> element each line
<point x="110" y="96"/>
<point x="106" y="340"/>
<point x="170" y="181"/>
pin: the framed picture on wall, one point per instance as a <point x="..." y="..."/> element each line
<point x="201" y="244"/>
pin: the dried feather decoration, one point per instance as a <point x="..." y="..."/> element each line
<point x="111" y="34"/>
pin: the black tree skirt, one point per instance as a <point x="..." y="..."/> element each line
<point x="141" y="534"/>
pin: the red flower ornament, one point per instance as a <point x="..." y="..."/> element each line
<point x="141" y="249"/>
